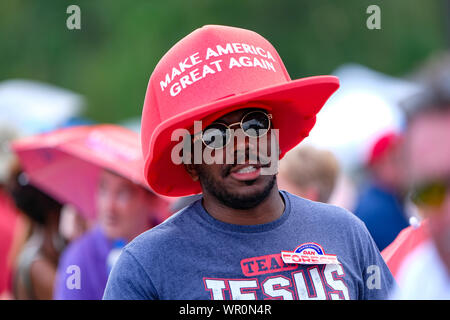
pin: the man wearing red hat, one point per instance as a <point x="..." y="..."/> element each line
<point x="220" y="110"/>
<point x="380" y="204"/>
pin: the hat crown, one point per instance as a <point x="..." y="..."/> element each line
<point x="211" y="63"/>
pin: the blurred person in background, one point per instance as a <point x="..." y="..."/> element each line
<point x="407" y="240"/>
<point x="12" y="225"/>
<point x="9" y="221"/>
<point x="309" y="173"/>
<point x="72" y="224"/>
<point x="36" y="265"/>
<point x="425" y="272"/>
<point x="125" y="210"/>
<point x="380" y="204"/>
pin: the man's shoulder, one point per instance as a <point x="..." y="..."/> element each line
<point x="165" y="235"/>
<point x="321" y="212"/>
<point x="326" y="219"/>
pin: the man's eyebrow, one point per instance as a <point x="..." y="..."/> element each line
<point x="241" y="115"/>
<point x="221" y="120"/>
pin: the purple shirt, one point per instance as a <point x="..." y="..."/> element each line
<point x="82" y="271"/>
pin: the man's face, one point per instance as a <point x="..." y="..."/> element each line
<point x="124" y="208"/>
<point x="428" y="153"/>
<point x="239" y="184"/>
<point x="428" y="147"/>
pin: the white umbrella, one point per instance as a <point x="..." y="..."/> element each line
<point x="34" y="107"/>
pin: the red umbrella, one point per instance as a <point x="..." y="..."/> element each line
<point x="66" y="163"/>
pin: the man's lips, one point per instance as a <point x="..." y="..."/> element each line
<point x="245" y="169"/>
<point x="246" y="172"/>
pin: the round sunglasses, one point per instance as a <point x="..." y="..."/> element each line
<point x="218" y="134"/>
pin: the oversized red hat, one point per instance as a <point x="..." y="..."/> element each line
<point x="214" y="70"/>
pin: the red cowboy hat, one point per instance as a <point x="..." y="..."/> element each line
<point x="219" y="69"/>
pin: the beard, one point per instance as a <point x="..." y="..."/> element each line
<point x="232" y="199"/>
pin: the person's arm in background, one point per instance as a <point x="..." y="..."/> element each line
<point x="43" y="275"/>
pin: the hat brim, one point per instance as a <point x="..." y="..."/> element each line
<point x="294" y="106"/>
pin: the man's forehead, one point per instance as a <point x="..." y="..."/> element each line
<point x="428" y="146"/>
<point x="234" y="116"/>
<point x="111" y="177"/>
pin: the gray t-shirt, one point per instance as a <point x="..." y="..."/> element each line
<point x="194" y="256"/>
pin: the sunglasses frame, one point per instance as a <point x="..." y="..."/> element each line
<point x="228" y="127"/>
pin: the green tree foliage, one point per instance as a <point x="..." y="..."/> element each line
<point x="111" y="58"/>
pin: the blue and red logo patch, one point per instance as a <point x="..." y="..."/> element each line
<point x="308" y="253"/>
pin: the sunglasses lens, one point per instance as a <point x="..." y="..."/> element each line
<point x="430" y="195"/>
<point x="256" y="123"/>
<point x="216" y="136"/>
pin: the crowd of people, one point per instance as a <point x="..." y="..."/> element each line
<point x="51" y="247"/>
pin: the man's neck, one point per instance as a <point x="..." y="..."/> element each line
<point x="270" y="209"/>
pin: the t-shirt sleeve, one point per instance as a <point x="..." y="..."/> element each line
<point x="128" y="280"/>
<point x="378" y="280"/>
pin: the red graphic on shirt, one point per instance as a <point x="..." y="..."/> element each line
<point x="317" y="282"/>
<point x="265" y="264"/>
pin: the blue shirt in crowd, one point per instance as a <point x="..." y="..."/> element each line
<point x="382" y="212"/>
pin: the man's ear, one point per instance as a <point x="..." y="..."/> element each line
<point x="192" y="171"/>
<point x="190" y="166"/>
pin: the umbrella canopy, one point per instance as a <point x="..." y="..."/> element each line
<point x="67" y="163"/>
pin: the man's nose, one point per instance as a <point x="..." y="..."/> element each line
<point x="242" y="146"/>
<point x="109" y="202"/>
